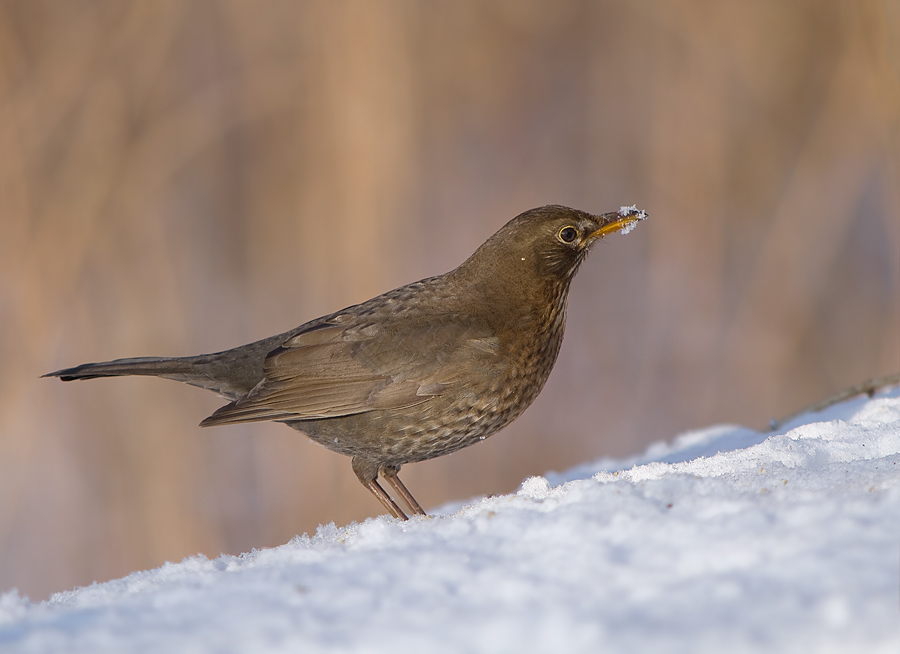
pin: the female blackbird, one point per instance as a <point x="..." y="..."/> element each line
<point x="416" y="373"/>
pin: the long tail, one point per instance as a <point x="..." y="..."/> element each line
<point x="153" y="366"/>
<point x="231" y="373"/>
<point x="203" y="371"/>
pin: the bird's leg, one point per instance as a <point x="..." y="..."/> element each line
<point x="367" y="473"/>
<point x="385" y="499"/>
<point x="390" y="476"/>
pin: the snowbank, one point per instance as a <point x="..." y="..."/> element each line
<point x="727" y="540"/>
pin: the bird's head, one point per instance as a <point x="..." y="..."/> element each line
<point x="546" y="245"/>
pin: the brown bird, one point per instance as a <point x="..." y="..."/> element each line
<point x="416" y="373"/>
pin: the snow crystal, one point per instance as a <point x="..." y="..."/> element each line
<point x="535" y="488"/>
<point x="635" y="213"/>
<point x="628" y="227"/>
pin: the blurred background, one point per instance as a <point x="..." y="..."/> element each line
<point x="187" y="176"/>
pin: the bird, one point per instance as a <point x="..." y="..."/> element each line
<point x="415" y="373"/>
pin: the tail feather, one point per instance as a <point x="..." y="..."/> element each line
<point x="231" y="374"/>
<point x="153" y="366"/>
<point x="229" y="377"/>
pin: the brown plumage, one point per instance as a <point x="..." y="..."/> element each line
<point x="416" y="373"/>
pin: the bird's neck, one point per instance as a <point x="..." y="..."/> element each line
<point x="514" y="294"/>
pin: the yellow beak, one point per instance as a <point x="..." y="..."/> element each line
<point x="623" y="220"/>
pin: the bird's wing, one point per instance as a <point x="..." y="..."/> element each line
<point x="334" y="370"/>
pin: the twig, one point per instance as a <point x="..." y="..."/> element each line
<point x="869" y="387"/>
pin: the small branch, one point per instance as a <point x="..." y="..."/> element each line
<point x="869" y="388"/>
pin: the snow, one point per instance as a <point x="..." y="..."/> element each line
<point x="637" y="214"/>
<point x="726" y="539"/>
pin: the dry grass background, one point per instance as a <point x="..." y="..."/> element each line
<point x="182" y="177"/>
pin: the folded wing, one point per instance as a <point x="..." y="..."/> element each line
<point x="337" y="369"/>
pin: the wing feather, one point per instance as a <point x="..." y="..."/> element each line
<point x="335" y="370"/>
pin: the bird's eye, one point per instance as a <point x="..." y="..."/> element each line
<point x="568" y="234"/>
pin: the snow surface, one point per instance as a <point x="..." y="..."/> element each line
<point x="726" y="540"/>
